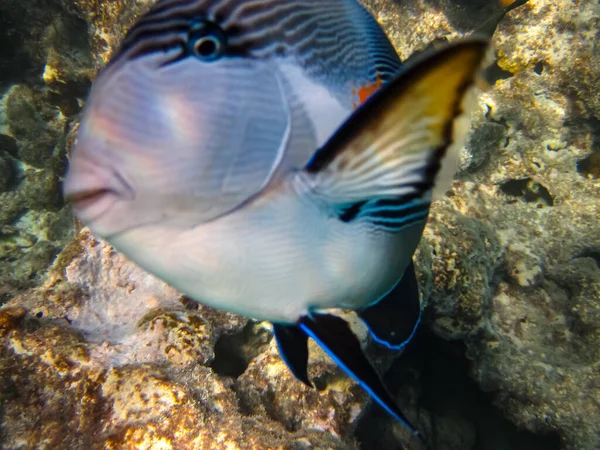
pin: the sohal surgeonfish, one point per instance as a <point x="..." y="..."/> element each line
<point x="274" y="159"/>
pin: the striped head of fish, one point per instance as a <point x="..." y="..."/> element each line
<point x="274" y="159"/>
<point x="207" y="102"/>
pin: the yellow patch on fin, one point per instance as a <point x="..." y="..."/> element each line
<point x="394" y="146"/>
<point x="365" y="91"/>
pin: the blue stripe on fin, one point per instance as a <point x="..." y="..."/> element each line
<point x="394" y="319"/>
<point x="390" y="214"/>
<point x="393" y="208"/>
<point x="347" y="213"/>
<point x="335" y="337"/>
<point x="394" y="215"/>
<point x="292" y="343"/>
<point x="392" y="226"/>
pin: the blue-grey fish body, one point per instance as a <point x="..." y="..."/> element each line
<point x="204" y="138"/>
<point x="244" y="261"/>
<point x="221" y="150"/>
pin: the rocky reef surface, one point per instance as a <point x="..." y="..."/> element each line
<point x="95" y="353"/>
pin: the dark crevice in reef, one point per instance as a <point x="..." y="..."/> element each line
<point x="27" y="31"/>
<point x="590" y="167"/>
<point x="538" y="67"/>
<point x="462" y="416"/>
<point x="16" y="61"/>
<point x="465" y="15"/>
<point x="498" y="121"/>
<point x="586" y="128"/>
<point x="494" y="73"/>
<point x="233" y="352"/>
<point x="23" y="28"/>
<point x="590" y="253"/>
<point x="528" y="191"/>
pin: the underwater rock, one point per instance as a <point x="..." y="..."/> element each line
<point x="267" y="387"/>
<point x="106" y="356"/>
<point x="411" y="26"/>
<point x="509" y="260"/>
<point x="42" y="190"/>
<point x="23" y="37"/>
<point x="108" y="21"/>
<point x="36" y="140"/>
<point x="45" y="70"/>
<point x="6" y="172"/>
<point x="13" y="207"/>
<point x="514" y="246"/>
<point x="38" y="257"/>
<point x="8" y="145"/>
<point x="102" y="355"/>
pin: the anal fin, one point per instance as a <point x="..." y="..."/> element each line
<point x="292" y="343"/>
<point x="393" y="320"/>
<point x="334" y="335"/>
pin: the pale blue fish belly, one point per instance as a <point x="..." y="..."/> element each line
<point x="220" y="150"/>
<point x="277" y="258"/>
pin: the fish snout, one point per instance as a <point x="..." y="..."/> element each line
<point x="91" y="188"/>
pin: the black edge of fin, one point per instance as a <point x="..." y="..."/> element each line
<point x="292" y="343"/>
<point x="334" y="335"/>
<point x="386" y="96"/>
<point x="394" y="319"/>
<point x="489" y="26"/>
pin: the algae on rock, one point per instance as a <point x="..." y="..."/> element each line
<point x="106" y="356"/>
<point x="102" y="355"/>
<point x="46" y="67"/>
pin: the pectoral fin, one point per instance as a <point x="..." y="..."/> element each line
<point x="394" y="319"/>
<point x="392" y="146"/>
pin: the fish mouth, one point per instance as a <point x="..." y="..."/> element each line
<point x="90" y="204"/>
<point x="84" y="199"/>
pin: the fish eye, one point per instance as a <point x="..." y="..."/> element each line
<point x="206" y="47"/>
<point x="206" y="40"/>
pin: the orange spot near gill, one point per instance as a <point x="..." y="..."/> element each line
<point x="365" y="91"/>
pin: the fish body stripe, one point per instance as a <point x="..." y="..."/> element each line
<point x="390" y="214"/>
<point x="334" y="40"/>
<point x="395" y="225"/>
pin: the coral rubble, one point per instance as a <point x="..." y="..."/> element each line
<point x="510" y="257"/>
<point x="95" y="353"/>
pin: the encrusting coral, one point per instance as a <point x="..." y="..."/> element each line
<point x="103" y="355"/>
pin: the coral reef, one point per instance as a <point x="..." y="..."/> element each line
<point x="512" y="252"/>
<point x="109" y="21"/>
<point x="46" y="66"/>
<point x="106" y="356"/>
<point x="102" y="355"/>
<point x="509" y="260"/>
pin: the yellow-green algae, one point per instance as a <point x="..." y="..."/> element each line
<point x="512" y="273"/>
